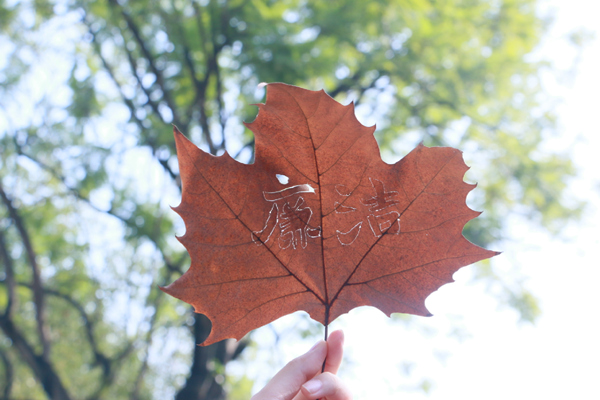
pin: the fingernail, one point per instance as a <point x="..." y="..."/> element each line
<point x="313" y="386"/>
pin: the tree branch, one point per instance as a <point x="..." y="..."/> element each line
<point x="128" y="102"/>
<point x="169" y="264"/>
<point x="160" y="81"/>
<point x="10" y="276"/>
<point x="100" y="359"/>
<point x="209" y="69"/>
<point x="135" y="395"/>
<point x="8" y="375"/>
<point x="219" y="85"/>
<point x="133" y="67"/>
<point x="38" y="294"/>
<point x="44" y="371"/>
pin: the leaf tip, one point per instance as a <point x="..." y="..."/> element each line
<point x="165" y="289"/>
<point x="179" y="238"/>
<point x="176" y="130"/>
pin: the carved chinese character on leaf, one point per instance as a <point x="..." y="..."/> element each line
<point x="380" y="218"/>
<point x="293" y="222"/>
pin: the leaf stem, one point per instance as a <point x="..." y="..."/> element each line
<point x="326" y="335"/>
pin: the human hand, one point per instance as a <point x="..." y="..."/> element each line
<point x="301" y="378"/>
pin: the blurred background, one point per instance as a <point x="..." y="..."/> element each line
<point x="88" y="172"/>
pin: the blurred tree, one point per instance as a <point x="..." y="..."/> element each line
<point x="88" y="90"/>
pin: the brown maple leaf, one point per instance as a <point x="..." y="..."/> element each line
<point x="319" y="222"/>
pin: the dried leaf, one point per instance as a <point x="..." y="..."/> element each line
<point x="319" y="222"/>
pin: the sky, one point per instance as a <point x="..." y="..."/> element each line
<point x="559" y="356"/>
<point x="496" y="356"/>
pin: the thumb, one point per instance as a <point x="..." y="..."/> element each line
<point x="286" y="384"/>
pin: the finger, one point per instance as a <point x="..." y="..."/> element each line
<point x="335" y="351"/>
<point x="326" y="386"/>
<point x="287" y="382"/>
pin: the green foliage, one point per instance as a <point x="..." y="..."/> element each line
<point x="88" y="90"/>
<point x="239" y="389"/>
